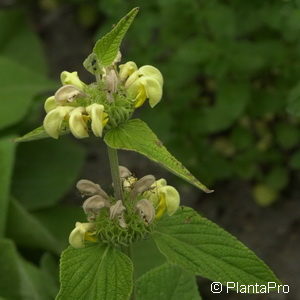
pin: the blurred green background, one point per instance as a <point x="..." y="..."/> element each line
<point x="230" y="113"/>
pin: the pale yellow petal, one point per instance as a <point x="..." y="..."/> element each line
<point x="50" y="104"/>
<point x="172" y="198"/>
<point x="151" y="72"/>
<point x="131" y="79"/>
<point x="77" y="123"/>
<point x="72" y="79"/>
<point x="97" y="115"/>
<point x="53" y="120"/>
<point x="127" y="69"/>
<point x="153" y="89"/>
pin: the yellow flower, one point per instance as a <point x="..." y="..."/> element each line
<point x="50" y="104"/>
<point x="72" y="79"/>
<point x="67" y="93"/>
<point x="127" y="69"/>
<point x="81" y="233"/>
<point x="98" y="117"/>
<point x="54" y="119"/>
<point x="145" y="83"/>
<point x="165" y="198"/>
<point x="77" y="123"/>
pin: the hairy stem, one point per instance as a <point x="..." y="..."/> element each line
<point x="114" y="169"/>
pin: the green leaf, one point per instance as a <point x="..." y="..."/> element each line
<point x="95" y="272"/>
<point x="50" y="272"/>
<point x="167" y="282"/>
<point x="20" y="280"/>
<point x="18" y="87"/>
<point x="38" y="133"/>
<point x="16" y="34"/>
<point x="142" y="249"/>
<point x="6" y="166"/>
<point x="108" y="46"/>
<point x="135" y="135"/>
<point x="197" y="244"/>
<point x="28" y="231"/>
<point x="45" y="170"/>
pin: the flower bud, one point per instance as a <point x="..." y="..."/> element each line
<point x="92" y="206"/>
<point x="124" y="172"/>
<point x="142" y="185"/>
<point x="78" y="234"/>
<point x="127" y="69"/>
<point x="99" y="118"/>
<point x="111" y="80"/>
<point x="117" y="211"/>
<point x="146" y="210"/>
<point x="77" y="123"/>
<point x="50" y="104"/>
<point x="68" y="93"/>
<point x="72" y="79"/>
<point x="89" y="188"/>
<point x="54" y="119"/>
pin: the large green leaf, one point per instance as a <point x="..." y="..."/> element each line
<point x="6" y="166"/>
<point x="135" y="135"/>
<point x="142" y="249"/>
<point x="28" y="231"/>
<point x="16" y="34"/>
<point x="20" y="280"/>
<point x="45" y="170"/>
<point x="199" y="245"/>
<point x="167" y="282"/>
<point x="18" y="86"/>
<point x="108" y="46"/>
<point x="95" y="272"/>
<point x="50" y="272"/>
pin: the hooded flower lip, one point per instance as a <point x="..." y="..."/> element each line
<point x="80" y="234"/>
<point x="68" y="93"/>
<point x="117" y="211"/>
<point x="165" y="198"/>
<point x="144" y="83"/>
<point x="50" y="104"/>
<point x="146" y="210"/>
<point x="93" y="205"/>
<point x="89" y="188"/>
<point x="77" y="123"/>
<point x="98" y="117"/>
<point x="71" y="78"/>
<point x="127" y="69"/>
<point x="54" y="120"/>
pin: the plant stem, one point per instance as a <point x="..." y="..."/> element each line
<point x="114" y="169"/>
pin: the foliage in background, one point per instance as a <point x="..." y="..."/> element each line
<point x="237" y="71"/>
<point x="35" y="176"/>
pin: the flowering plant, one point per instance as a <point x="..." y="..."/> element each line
<point x="99" y="263"/>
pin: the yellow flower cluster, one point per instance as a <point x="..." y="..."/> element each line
<point x="143" y="83"/>
<point x="61" y="108"/>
